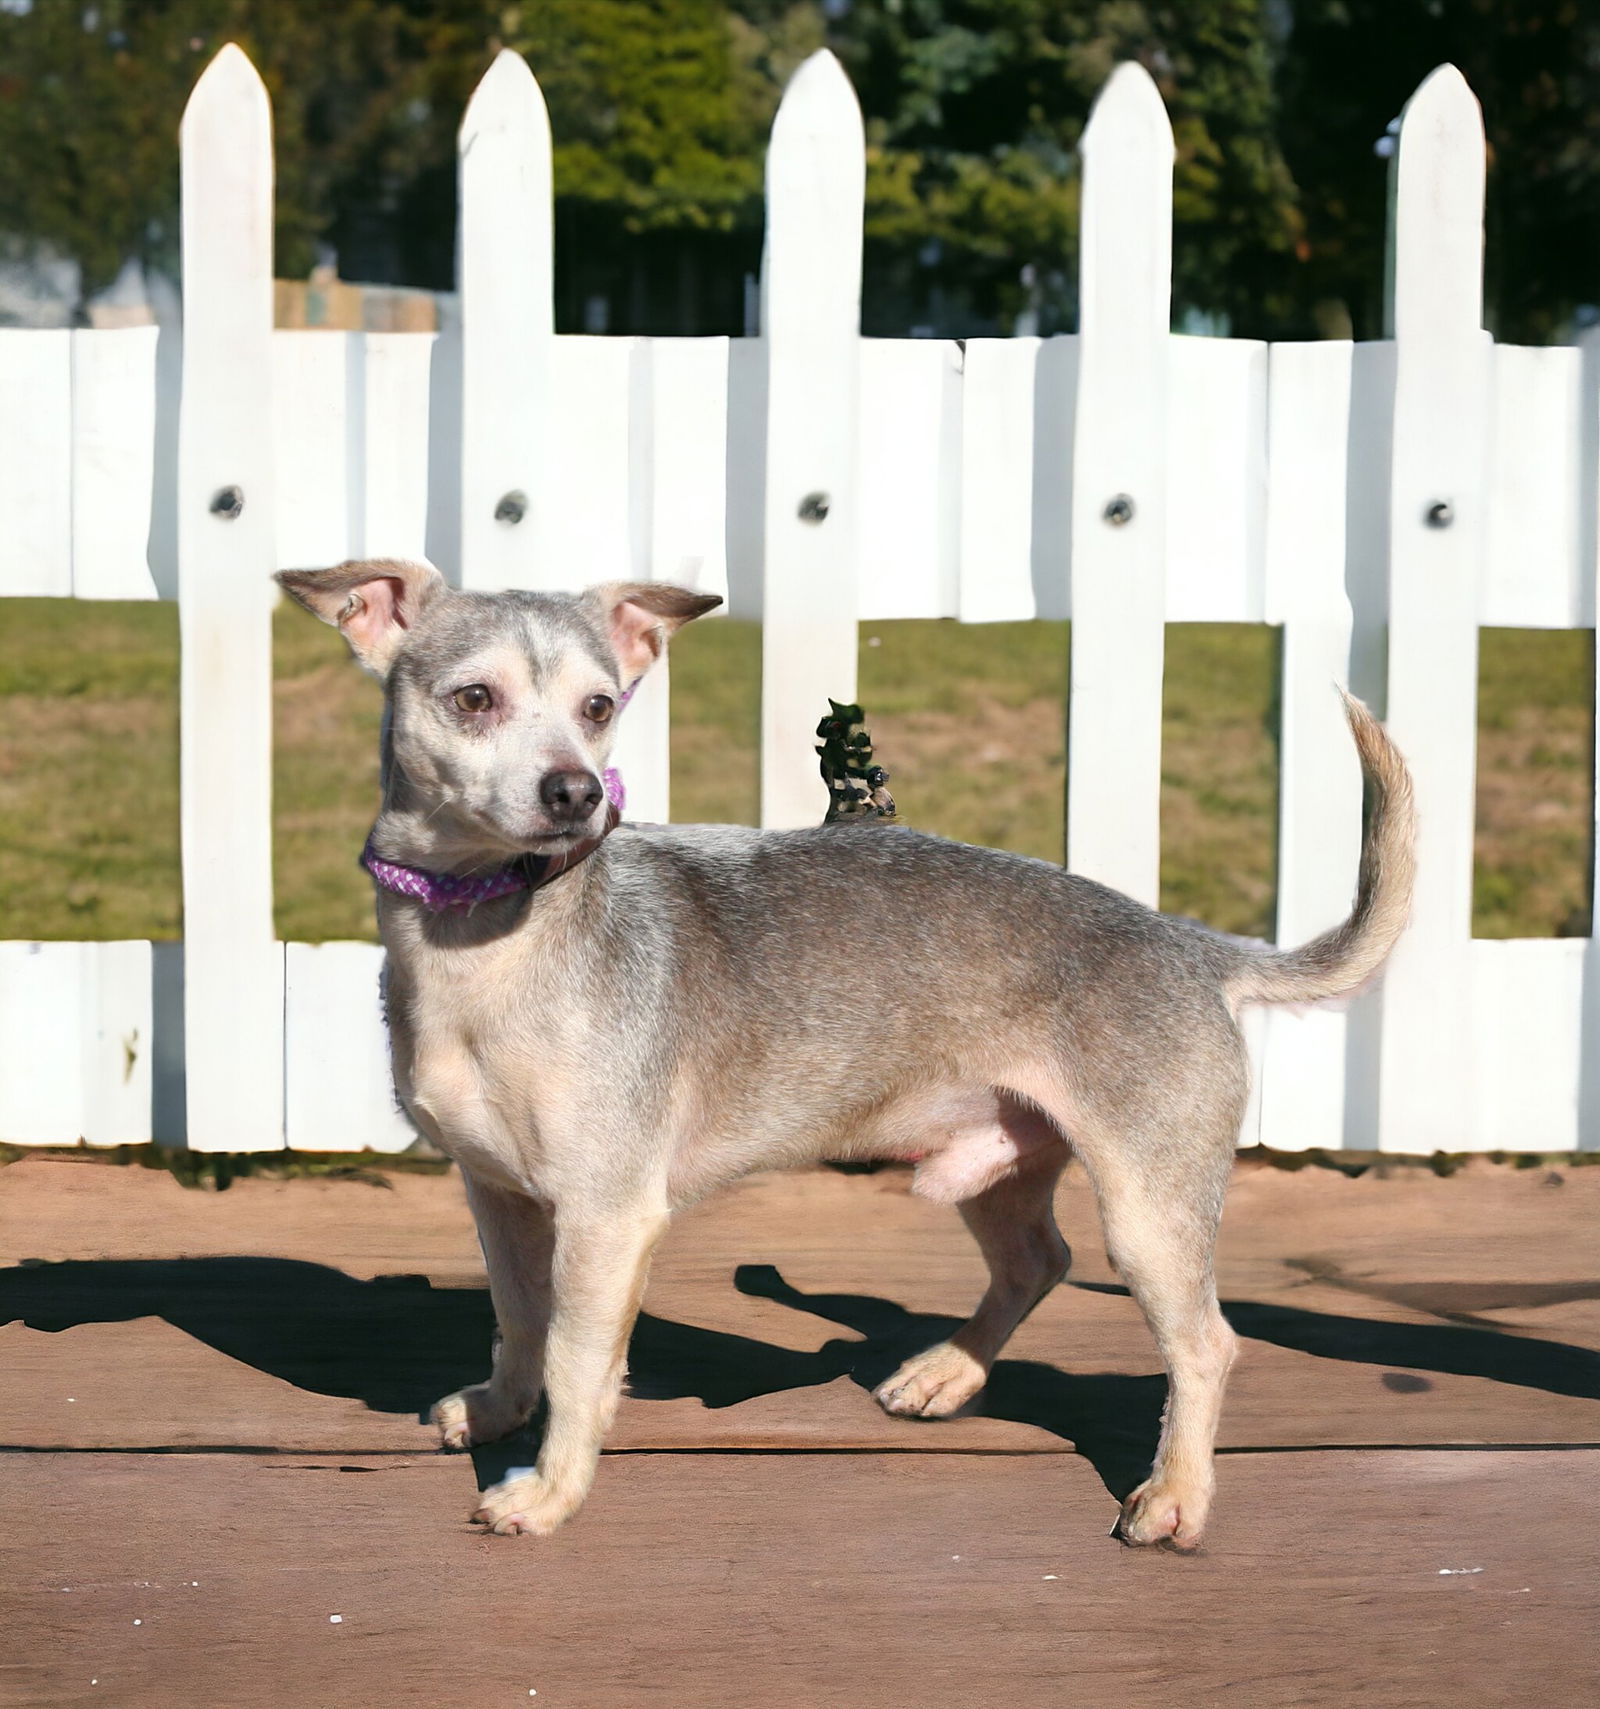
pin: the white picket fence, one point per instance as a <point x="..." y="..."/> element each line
<point x="1379" y="501"/>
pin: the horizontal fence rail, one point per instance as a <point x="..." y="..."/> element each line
<point x="1380" y="502"/>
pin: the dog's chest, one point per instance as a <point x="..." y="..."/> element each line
<point x="481" y="1066"/>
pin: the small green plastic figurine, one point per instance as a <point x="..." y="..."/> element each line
<point x="856" y="787"/>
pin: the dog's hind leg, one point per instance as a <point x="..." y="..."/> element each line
<point x="1160" y="1204"/>
<point x="1015" y="1227"/>
<point x="515" y="1234"/>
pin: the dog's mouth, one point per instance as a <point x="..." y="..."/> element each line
<point x="564" y="838"/>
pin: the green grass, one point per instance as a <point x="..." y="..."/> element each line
<point x="88" y="770"/>
<point x="969" y="719"/>
<point x="1535" y="771"/>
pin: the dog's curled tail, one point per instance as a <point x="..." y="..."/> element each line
<point x="1342" y="960"/>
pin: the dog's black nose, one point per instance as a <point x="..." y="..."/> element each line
<point x="570" y="795"/>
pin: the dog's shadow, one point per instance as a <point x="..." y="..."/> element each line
<point x="397" y="1343"/>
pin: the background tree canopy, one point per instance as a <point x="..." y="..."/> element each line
<point x="974" y="108"/>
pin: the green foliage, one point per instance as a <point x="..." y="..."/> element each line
<point x="1351" y="66"/>
<point x="659" y="109"/>
<point x="975" y="109"/>
<point x="366" y="96"/>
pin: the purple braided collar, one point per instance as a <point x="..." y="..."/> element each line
<point x="438" y="891"/>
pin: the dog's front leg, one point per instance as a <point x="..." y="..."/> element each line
<point x="599" y="1270"/>
<point x="517" y="1236"/>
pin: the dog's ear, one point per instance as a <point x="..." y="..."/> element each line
<point x="641" y="617"/>
<point x="370" y="601"/>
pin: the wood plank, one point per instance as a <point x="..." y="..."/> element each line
<point x="1055" y="426"/>
<point x="1331" y="1282"/>
<point x="811" y="316"/>
<point x="118" y="1043"/>
<point x="747" y="475"/>
<point x="688" y="462"/>
<point x="163" y="543"/>
<point x="508" y="431"/>
<point x="36" y="462"/>
<point x="850" y="1571"/>
<point x="233" y="966"/>
<point x="43" y="1074"/>
<point x="113" y="461"/>
<point x="587" y="532"/>
<point x="1535" y="576"/>
<point x="1589" y="465"/>
<point x="1119" y="460"/>
<point x="444" y="443"/>
<point x="1216" y="480"/>
<point x="391" y="374"/>
<point x="677" y="485"/>
<point x="598" y="529"/>
<point x="997" y="432"/>
<point x="75" y="1043"/>
<point x="911" y="441"/>
<point x="1427" y="1077"/>
<point x="313" y="424"/>
<point x="1527" y="1044"/>
<point x="338" y="1090"/>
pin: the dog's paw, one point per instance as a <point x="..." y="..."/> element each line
<point x="525" y="1505"/>
<point x="479" y="1414"/>
<point x="1164" y="1514"/>
<point x="935" y="1384"/>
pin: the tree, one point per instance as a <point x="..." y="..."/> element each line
<point x="1351" y="66"/>
<point x="366" y="97"/>
<point x="975" y="109"/>
<point x="659" y="111"/>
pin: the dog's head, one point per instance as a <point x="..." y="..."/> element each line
<point x="501" y="707"/>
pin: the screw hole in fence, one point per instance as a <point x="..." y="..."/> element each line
<point x="1119" y="510"/>
<point x="1441" y="514"/>
<point x="227" y="502"/>
<point x="512" y="507"/>
<point x="814" y="507"/>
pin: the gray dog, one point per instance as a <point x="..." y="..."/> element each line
<point x="603" y="1028"/>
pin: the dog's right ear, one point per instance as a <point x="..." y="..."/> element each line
<point x="370" y="601"/>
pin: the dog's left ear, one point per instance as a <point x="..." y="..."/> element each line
<point x="641" y="617"/>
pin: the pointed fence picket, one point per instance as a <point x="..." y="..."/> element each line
<point x="1119" y="490"/>
<point x="508" y="329"/>
<point x="1438" y="535"/>
<point x="233" y="964"/>
<point x="1123" y="476"/>
<point x="810" y="325"/>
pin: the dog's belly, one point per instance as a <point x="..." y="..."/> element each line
<point x="962" y="1139"/>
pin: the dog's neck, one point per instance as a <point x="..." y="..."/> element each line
<point x="440" y="891"/>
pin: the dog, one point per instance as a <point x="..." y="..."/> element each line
<point x="603" y="1024"/>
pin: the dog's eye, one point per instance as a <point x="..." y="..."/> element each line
<point x="598" y="708"/>
<point x="473" y="698"/>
